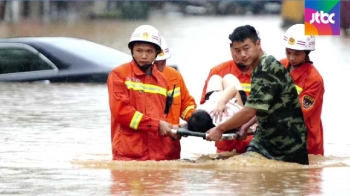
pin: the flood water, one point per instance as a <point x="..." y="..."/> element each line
<point x="55" y="138"/>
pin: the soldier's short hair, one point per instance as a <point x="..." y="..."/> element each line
<point x="241" y="33"/>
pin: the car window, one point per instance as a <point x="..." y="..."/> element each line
<point x="13" y="60"/>
<point x="95" y="52"/>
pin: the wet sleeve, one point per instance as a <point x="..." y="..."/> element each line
<point x="188" y="104"/>
<point x="123" y="111"/>
<point x="311" y="98"/>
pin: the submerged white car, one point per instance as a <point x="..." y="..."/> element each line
<point x="57" y="59"/>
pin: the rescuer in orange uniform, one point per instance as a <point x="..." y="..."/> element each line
<point x="308" y="81"/>
<point x="242" y="72"/>
<point x="138" y="100"/>
<point x="183" y="103"/>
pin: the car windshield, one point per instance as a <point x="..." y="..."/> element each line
<point x="94" y="52"/>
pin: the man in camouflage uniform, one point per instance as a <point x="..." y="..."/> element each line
<point x="273" y="103"/>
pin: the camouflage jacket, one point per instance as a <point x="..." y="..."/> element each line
<point x="281" y="133"/>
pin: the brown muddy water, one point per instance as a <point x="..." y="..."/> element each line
<point x="55" y="138"/>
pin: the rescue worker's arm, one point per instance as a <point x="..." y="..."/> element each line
<point x="311" y="97"/>
<point x="124" y="112"/>
<point x="240" y="118"/>
<point x="188" y="104"/>
<point x="245" y="128"/>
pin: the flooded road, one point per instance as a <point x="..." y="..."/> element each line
<point x="55" y="138"/>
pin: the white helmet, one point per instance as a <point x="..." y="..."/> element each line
<point x="295" y="38"/>
<point x="165" y="53"/>
<point x="146" y="33"/>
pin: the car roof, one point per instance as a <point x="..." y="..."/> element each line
<point x="39" y="39"/>
<point x="68" y="50"/>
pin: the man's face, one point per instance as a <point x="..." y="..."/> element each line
<point x="160" y="63"/>
<point x="235" y="59"/>
<point x="295" y="57"/>
<point x="144" y="53"/>
<point x="234" y="55"/>
<point x="246" y="52"/>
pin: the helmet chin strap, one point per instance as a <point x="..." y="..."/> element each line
<point x="240" y="65"/>
<point x="144" y="67"/>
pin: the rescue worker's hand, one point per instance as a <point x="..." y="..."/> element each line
<point x="183" y="125"/>
<point x="174" y="135"/>
<point x="214" y="134"/>
<point x="243" y="132"/>
<point x="174" y="126"/>
<point x="164" y="128"/>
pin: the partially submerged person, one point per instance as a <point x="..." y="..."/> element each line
<point x="308" y="81"/>
<point x="273" y="103"/>
<point x="183" y="104"/>
<point x="137" y="99"/>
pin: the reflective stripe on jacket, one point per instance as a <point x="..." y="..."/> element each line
<point x="137" y="105"/>
<point x="310" y="87"/>
<point x="183" y="103"/>
<point x="230" y="67"/>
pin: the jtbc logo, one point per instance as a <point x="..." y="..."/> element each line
<point x="324" y="17"/>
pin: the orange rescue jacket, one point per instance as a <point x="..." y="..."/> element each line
<point x="183" y="103"/>
<point x="230" y="67"/>
<point x="137" y="104"/>
<point x="310" y="87"/>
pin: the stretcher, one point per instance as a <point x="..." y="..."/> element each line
<point x="226" y="136"/>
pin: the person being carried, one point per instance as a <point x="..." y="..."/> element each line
<point x="273" y="103"/>
<point x="223" y="101"/>
<point x="243" y="73"/>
